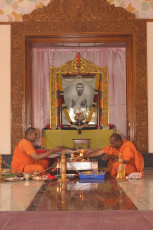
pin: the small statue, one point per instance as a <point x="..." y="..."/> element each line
<point x="79" y="118"/>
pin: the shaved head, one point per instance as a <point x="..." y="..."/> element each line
<point x="29" y="131"/>
<point x="116" y="137"/>
<point x="31" y="134"/>
<point x="116" y="140"/>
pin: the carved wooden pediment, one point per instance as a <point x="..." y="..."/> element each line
<point x="80" y="10"/>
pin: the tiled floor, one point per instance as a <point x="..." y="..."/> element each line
<point x="81" y="195"/>
<point x="23" y="195"/>
<point x="16" y="196"/>
<point x="140" y="191"/>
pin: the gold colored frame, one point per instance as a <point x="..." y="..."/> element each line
<point x="85" y="68"/>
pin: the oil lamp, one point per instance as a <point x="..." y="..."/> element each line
<point x="82" y="152"/>
<point x="121" y="169"/>
<point x="63" y="169"/>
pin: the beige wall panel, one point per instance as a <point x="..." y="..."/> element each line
<point x="5" y="90"/>
<point x="150" y="84"/>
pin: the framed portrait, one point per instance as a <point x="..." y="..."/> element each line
<point x="78" y="95"/>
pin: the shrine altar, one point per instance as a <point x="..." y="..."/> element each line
<point x="99" y="138"/>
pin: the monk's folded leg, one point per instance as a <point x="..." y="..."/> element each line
<point x="129" y="168"/>
<point x="31" y="168"/>
<point x="44" y="162"/>
<point x="114" y="170"/>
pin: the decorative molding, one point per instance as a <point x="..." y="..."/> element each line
<point x="89" y="17"/>
<point x="81" y="10"/>
<point x="13" y="12"/>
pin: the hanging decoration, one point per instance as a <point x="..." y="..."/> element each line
<point x="42" y="139"/>
<point x="101" y="100"/>
<point x="57" y="102"/>
<point x="78" y="57"/>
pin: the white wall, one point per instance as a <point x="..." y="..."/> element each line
<point x="5" y="86"/>
<point x="150" y="84"/>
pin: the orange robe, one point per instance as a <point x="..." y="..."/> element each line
<point x="23" y="162"/>
<point x="129" y="153"/>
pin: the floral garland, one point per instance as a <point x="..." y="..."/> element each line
<point x="64" y="108"/>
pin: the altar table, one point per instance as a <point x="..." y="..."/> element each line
<point x="98" y="138"/>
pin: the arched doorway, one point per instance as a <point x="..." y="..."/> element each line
<point x="111" y="54"/>
<point x="98" y="23"/>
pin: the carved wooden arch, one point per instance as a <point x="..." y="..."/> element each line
<point x="85" y="20"/>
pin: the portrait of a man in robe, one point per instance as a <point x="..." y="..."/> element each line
<point x="78" y="95"/>
<point x="80" y="101"/>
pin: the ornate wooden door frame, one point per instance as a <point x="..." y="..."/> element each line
<point x="99" y="22"/>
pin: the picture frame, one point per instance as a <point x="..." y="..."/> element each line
<point x="66" y="82"/>
<point x="78" y="93"/>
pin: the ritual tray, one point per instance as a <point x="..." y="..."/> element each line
<point x="92" y="176"/>
<point x="14" y="179"/>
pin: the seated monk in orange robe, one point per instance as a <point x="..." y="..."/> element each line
<point x="25" y="159"/>
<point x="133" y="160"/>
